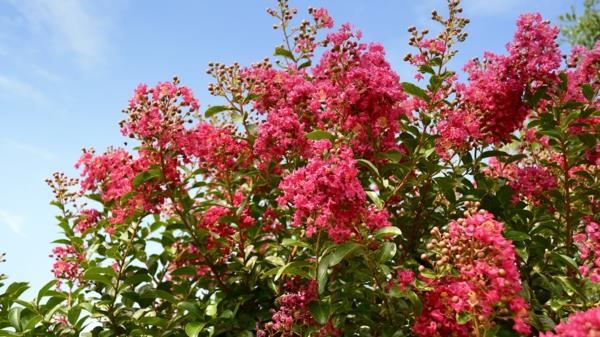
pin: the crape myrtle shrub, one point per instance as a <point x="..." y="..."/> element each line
<point x="325" y="197"/>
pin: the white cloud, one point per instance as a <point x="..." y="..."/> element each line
<point x="29" y="149"/>
<point x="13" y="221"/>
<point x="20" y="89"/>
<point x="69" y="25"/>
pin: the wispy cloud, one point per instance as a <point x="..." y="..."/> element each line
<point x="13" y="221"/>
<point x="29" y="149"/>
<point x="69" y="25"/>
<point x="20" y="89"/>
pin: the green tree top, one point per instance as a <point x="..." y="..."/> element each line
<point x="584" y="29"/>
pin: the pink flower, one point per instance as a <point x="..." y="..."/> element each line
<point x="589" y="251"/>
<point x="280" y="136"/>
<point x="322" y="17"/>
<point x="532" y="182"/>
<point x="67" y="265"/>
<point x="214" y="149"/>
<point x="497" y="85"/>
<point x="327" y="195"/>
<point x="483" y="278"/>
<point x="579" y="324"/>
<point x="87" y="220"/>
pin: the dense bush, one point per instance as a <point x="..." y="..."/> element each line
<point x="325" y="197"/>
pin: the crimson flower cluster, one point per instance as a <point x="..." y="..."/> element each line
<point x="481" y="280"/>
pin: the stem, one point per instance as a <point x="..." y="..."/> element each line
<point x="178" y="209"/>
<point x="373" y="270"/>
<point x="567" y="197"/>
<point x="121" y="263"/>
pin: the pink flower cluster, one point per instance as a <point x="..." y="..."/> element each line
<point x="359" y="92"/>
<point x="322" y="17"/>
<point x="88" y="218"/>
<point x="188" y="255"/>
<point x="352" y="90"/>
<point x="220" y="230"/>
<point x="456" y="132"/>
<point x="497" y="85"/>
<point x="589" y="251"/>
<point x="281" y="136"/>
<point x="67" y="265"/>
<point x="293" y="306"/>
<point x="532" y="182"/>
<point x="294" y="311"/>
<point x="111" y="175"/>
<point x="327" y="195"/>
<point x="216" y="150"/>
<point x="484" y="282"/>
<point x="585" y="67"/>
<point x="579" y="324"/>
<point x="155" y="115"/>
<point x="404" y="280"/>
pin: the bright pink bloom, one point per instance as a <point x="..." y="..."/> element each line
<point x="67" y="265"/>
<point x="327" y="195"/>
<point x="497" y="85"/>
<point x="88" y="218"/>
<point x="485" y="279"/>
<point x="280" y="136"/>
<point x="216" y="150"/>
<point x="322" y="17"/>
<point x="579" y="324"/>
<point x="532" y="182"/>
<point x="357" y="91"/>
<point x="589" y="251"/>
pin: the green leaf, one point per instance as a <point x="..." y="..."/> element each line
<point x="342" y="251"/>
<point x="14" y="317"/>
<point x="494" y="153"/>
<point x="215" y="109"/>
<point x="588" y="91"/>
<point x="99" y="274"/>
<point x="368" y="164"/>
<point x="426" y="69"/>
<point x="305" y="64"/>
<point x="185" y="270"/>
<point x="190" y="307"/>
<point x="565" y="260"/>
<point x="320" y="312"/>
<point x="463" y="317"/>
<point x="546" y="322"/>
<point x="387" y="251"/>
<point x="319" y="134"/>
<point x="322" y="273"/>
<point x="192" y="329"/>
<point x="156" y="293"/>
<point x="146" y="176"/>
<point x="292" y="268"/>
<point x="44" y="290"/>
<point x="534" y="99"/>
<point x="415" y="301"/>
<point x="285" y="53"/>
<point x="569" y="285"/>
<point x="394" y="156"/>
<point x="374" y="198"/>
<point x="387" y="232"/>
<point x="415" y="91"/>
<point x="294" y="243"/>
<point x="516" y="235"/>
<point x="331" y="260"/>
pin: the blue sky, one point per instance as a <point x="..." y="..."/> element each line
<point x="68" y="67"/>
